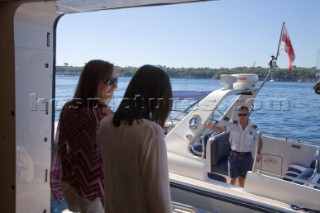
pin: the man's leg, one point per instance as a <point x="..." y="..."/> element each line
<point x="241" y="181"/>
<point x="233" y="181"/>
<point x="244" y="168"/>
<point x="233" y="167"/>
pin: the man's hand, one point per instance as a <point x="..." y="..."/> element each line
<point x="258" y="157"/>
<point x="209" y="125"/>
<point x="215" y="128"/>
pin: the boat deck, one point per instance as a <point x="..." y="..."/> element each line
<point x="226" y="190"/>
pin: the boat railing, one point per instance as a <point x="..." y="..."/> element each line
<point x="183" y="208"/>
<point x="193" y="150"/>
<point x="291" y="139"/>
<point x="292" y="179"/>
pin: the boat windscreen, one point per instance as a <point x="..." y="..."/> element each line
<point x="191" y="95"/>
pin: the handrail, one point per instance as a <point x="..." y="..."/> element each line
<point x="292" y="139"/>
<point x="199" y="154"/>
<point x="261" y="171"/>
<point x="183" y="208"/>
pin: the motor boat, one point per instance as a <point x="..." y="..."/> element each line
<point x="285" y="179"/>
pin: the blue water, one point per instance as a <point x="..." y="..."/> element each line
<point x="285" y="108"/>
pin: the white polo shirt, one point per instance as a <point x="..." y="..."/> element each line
<point x="242" y="140"/>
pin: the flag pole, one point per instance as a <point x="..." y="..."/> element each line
<point x="280" y="41"/>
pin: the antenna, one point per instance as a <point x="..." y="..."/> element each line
<point x="254" y="63"/>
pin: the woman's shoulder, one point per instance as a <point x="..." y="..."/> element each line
<point x="71" y="106"/>
<point x="67" y="109"/>
<point x="106" y="120"/>
<point x="152" y="126"/>
<point x="152" y="134"/>
<point x="67" y="105"/>
<point x="104" y="126"/>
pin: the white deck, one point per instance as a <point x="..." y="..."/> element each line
<point x="229" y="191"/>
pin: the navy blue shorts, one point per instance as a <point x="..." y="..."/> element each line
<point x="239" y="164"/>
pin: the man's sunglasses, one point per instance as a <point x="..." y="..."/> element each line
<point x="242" y="115"/>
<point x="111" y="81"/>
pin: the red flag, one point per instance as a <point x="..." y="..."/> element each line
<point x="287" y="46"/>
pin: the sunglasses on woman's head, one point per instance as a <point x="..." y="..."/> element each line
<point x="111" y="81"/>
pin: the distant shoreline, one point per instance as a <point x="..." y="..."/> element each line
<point x="299" y="74"/>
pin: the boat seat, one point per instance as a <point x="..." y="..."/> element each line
<point x="219" y="152"/>
<point x="218" y="177"/>
<point x="221" y="168"/>
<point x="197" y="148"/>
<point x="305" y="175"/>
<point x="220" y="148"/>
<point x="309" y="175"/>
<point x="299" y="171"/>
<point x="294" y="170"/>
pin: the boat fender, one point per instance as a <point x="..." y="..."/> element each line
<point x="189" y="137"/>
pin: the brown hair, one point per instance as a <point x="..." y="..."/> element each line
<point x="93" y="74"/>
<point x="243" y="108"/>
<point x="148" y="96"/>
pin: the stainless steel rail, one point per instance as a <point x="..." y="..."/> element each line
<point x="305" y="182"/>
<point x="182" y="208"/>
<point x="292" y="139"/>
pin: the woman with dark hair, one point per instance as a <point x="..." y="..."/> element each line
<point x="76" y="170"/>
<point x="132" y="144"/>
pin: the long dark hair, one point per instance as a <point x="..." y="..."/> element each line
<point x="93" y="74"/>
<point x="148" y="96"/>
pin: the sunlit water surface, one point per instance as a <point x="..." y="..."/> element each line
<point x="285" y="108"/>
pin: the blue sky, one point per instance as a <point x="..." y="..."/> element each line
<point x="225" y="33"/>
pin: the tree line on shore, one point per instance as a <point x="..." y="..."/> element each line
<point x="298" y="73"/>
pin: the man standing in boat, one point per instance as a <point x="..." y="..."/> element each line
<point x="243" y="138"/>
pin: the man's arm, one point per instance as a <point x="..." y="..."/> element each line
<point x="260" y="145"/>
<point x="215" y="128"/>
